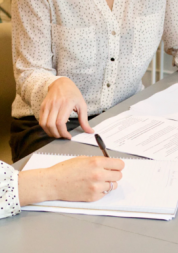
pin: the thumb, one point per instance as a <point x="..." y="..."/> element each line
<point x="83" y="120"/>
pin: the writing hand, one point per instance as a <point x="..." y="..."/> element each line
<point x="77" y="179"/>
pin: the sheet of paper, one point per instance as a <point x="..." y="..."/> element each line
<point x="148" y="112"/>
<point x="162" y="104"/>
<point x="147" y="186"/>
<point x="146" y="136"/>
<point x="100" y="212"/>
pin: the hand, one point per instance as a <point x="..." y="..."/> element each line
<point x="78" y="179"/>
<point x="85" y="178"/>
<point x="63" y="97"/>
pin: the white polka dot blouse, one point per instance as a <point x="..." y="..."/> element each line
<point x="9" y="197"/>
<point x="105" y="53"/>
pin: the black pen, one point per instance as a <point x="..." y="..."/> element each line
<point x="101" y="145"/>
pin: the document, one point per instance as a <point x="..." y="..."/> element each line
<point x="148" y="189"/>
<point x="146" y="136"/>
<point x="161" y="104"/>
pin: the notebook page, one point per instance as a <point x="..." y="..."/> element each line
<point x="146" y="186"/>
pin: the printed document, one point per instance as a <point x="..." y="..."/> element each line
<point x="146" y="136"/>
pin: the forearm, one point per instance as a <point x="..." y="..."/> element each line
<point x="77" y="179"/>
<point x="34" y="186"/>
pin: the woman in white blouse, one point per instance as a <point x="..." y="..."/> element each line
<point x="79" y="179"/>
<point x="74" y="59"/>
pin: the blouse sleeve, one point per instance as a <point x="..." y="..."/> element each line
<point x="9" y="198"/>
<point x="170" y="36"/>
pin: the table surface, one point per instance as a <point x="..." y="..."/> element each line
<point x="42" y="232"/>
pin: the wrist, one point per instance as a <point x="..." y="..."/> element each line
<point x="59" y="81"/>
<point x="33" y="186"/>
<point x="52" y="182"/>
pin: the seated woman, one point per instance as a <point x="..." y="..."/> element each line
<point x="78" y="179"/>
<point x="75" y="59"/>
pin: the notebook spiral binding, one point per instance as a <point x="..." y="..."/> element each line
<point x="74" y="155"/>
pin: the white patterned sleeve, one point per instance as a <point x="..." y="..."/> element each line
<point x="170" y="36"/>
<point x="9" y="198"/>
<point x="32" y="54"/>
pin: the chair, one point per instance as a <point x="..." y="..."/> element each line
<point x="7" y="90"/>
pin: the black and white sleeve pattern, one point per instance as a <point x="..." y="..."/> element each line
<point x="9" y="198"/>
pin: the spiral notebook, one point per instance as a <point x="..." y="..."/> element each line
<point x="148" y="189"/>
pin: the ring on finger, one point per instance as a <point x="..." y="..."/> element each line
<point x="110" y="189"/>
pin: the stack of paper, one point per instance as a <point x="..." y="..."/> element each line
<point x="161" y="104"/>
<point x="148" y="189"/>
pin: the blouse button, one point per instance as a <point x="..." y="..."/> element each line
<point x="113" y="33"/>
<point x="108" y="85"/>
<point x="112" y="59"/>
